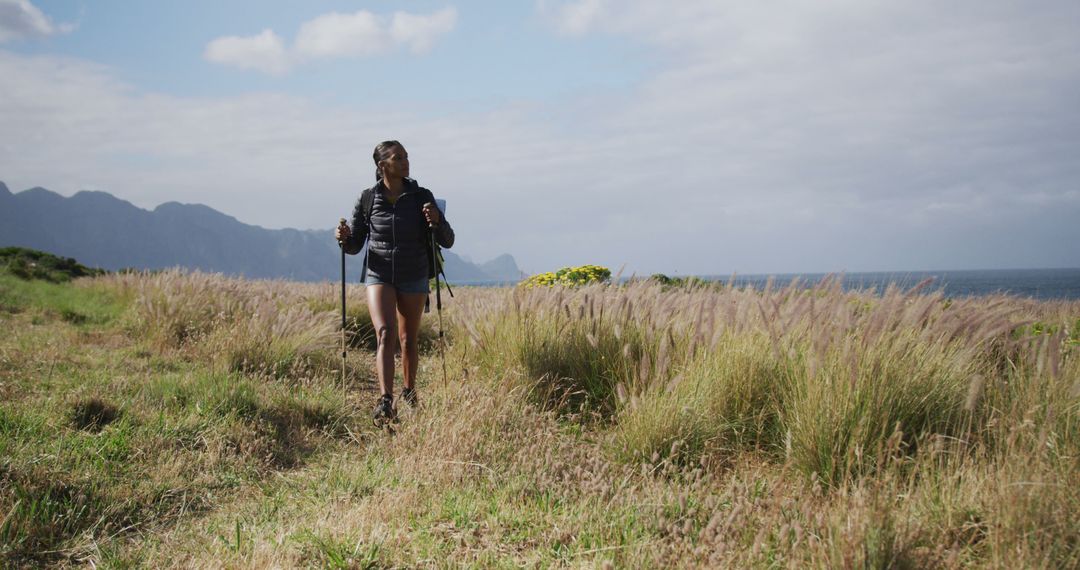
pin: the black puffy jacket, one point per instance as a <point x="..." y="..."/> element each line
<point x="397" y="234"/>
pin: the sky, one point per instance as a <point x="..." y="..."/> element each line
<point x="691" y="137"/>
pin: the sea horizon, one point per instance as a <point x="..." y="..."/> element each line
<point x="1043" y="284"/>
<point x="1059" y="283"/>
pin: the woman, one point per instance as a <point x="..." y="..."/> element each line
<point x="397" y="218"/>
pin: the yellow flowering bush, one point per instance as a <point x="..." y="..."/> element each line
<point x="570" y="276"/>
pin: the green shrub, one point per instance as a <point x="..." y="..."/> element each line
<point x="667" y="282"/>
<point x="32" y="264"/>
<point x="569" y="276"/>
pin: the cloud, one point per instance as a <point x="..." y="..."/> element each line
<point x="793" y="136"/>
<point x="577" y="17"/>
<point x="21" y="19"/>
<point x="805" y="115"/>
<point x="263" y="52"/>
<point x="342" y="35"/>
<point x="334" y="35"/>
<point x="420" y="32"/>
<point x="269" y="159"/>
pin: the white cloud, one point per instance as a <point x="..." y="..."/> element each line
<point x="803" y="131"/>
<point x="21" y="19"/>
<point x="263" y="52"/>
<point x="342" y="35"/>
<point x="575" y="17"/>
<point x="419" y="32"/>
<point x="334" y="35"/>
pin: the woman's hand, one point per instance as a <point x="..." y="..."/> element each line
<point x="432" y="214"/>
<point x="342" y="232"/>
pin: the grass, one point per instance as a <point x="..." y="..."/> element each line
<point x="723" y="402"/>
<point x="191" y="420"/>
<point x="43" y="300"/>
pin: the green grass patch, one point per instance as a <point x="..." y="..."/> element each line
<point x="339" y="553"/>
<point x="73" y="304"/>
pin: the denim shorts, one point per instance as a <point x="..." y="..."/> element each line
<point x="417" y="286"/>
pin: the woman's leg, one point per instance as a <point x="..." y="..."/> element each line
<point x="410" y="310"/>
<point x="382" y="304"/>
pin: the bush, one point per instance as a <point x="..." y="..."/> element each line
<point x="667" y="282"/>
<point x="569" y="276"/>
<point x="32" y="264"/>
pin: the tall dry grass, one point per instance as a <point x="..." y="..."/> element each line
<point x="820" y="377"/>
<point x="633" y="425"/>
<point x="945" y="432"/>
<point x="272" y="327"/>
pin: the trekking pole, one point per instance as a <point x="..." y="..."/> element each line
<point x="343" y="346"/>
<point x="438" y="307"/>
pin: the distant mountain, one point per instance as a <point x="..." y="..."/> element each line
<point x="101" y="230"/>
<point x="503" y="268"/>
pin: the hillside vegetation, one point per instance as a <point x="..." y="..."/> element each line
<point x="31" y="264"/>
<point x="191" y="420"/>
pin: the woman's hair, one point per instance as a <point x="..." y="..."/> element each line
<point x="382" y="152"/>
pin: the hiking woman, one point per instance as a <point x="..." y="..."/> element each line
<point x="397" y="218"/>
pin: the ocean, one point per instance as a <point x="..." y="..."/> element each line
<point x="1041" y="284"/>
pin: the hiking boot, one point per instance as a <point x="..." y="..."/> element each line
<point x="408" y="395"/>
<point x="384" y="410"/>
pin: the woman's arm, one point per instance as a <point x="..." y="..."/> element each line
<point x="444" y="234"/>
<point x="442" y="229"/>
<point x="355" y="241"/>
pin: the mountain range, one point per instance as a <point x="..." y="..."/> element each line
<point x="104" y="231"/>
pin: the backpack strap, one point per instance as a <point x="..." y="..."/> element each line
<point x="367" y="201"/>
